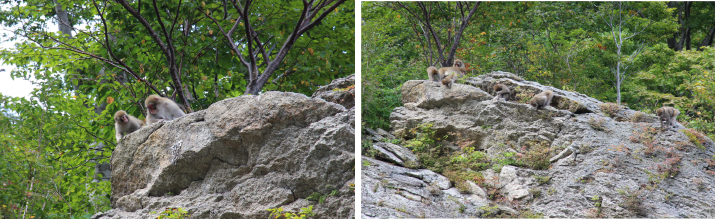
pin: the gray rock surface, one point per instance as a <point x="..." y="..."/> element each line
<point x="238" y="158"/>
<point x="619" y="170"/>
<point x="341" y="91"/>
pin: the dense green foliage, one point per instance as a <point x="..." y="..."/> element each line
<point x="110" y="60"/>
<point x="567" y="45"/>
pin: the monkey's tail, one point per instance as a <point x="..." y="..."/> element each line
<point x="433" y="74"/>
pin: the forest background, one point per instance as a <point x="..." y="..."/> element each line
<point x="643" y="55"/>
<point x="110" y="55"/>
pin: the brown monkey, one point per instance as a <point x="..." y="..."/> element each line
<point x="160" y="109"/>
<point x="459" y="63"/>
<point x="667" y="114"/>
<point x="502" y="91"/>
<point x="125" y="124"/>
<point x="542" y="99"/>
<point x="433" y="74"/>
<point x="440" y="74"/>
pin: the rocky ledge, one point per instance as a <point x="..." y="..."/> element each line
<point x="598" y="159"/>
<point x="238" y="158"/>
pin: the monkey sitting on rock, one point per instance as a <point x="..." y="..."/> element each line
<point x="667" y="114"/>
<point x="501" y="92"/>
<point x="447" y="75"/>
<point x="542" y="99"/>
<point x="161" y="109"/>
<point x="125" y="124"/>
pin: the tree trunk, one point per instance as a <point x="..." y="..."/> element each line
<point x="708" y="40"/>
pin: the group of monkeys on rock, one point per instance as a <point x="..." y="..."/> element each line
<point x="447" y="75"/>
<point x="160" y="109"/>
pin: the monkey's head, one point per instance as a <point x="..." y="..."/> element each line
<point x="151" y="102"/>
<point x="497" y="87"/>
<point x="659" y="112"/>
<point x="121" y="117"/>
<point x="458" y="63"/>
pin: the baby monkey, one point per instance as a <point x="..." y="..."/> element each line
<point x="501" y="91"/>
<point x="667" y="114"/>
<point x="160" y="109"/>
<point x="542" y="99"/>
<point x="125" y="124"/>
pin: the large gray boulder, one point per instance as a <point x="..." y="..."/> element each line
<point x="604" y="163"/>
<point x="238" y="158"/>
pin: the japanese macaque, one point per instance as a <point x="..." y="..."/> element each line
<point x="125" y="124"/>
<point x="667" y="114"/>
<point x="433" y="74"/>
<point x="160" y="109"/>
<point x="501" y="91"/>
<point x="440" y="74"/>
<point x="542" y="99"/>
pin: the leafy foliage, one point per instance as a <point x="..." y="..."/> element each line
<point x="305" y="212"/>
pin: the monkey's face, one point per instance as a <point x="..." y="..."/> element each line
<point x="122" y="119"/>
<point x="152" y="107"/>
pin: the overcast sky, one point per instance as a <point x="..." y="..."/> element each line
<point x="8" y="86"/>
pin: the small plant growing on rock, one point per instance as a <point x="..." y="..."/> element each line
<point x="598" y="125"/>
<point x="431" y="155"/>
<point x="696" y="138"/>
<point x="366" y="163"/>
<point x="523" y="96"/>
<point x="638" y="117"/>
<point x="536" y="192"/>
<point x="633" y="202"/>
<point x="173" y="213"/>
<point x="305" y="212"/>
<point x="367" y="149"/>
<point x="542" y="179"/>
<point x="610" y="108"/>
<point x="537" y="155"/>
<point x="489" y="211"/>
<point x="699" y="184"/>
<point x="471" y="158"/>
<point x="316" y="196"/>
<point x="645" y="134"/>
<point x="669" y="168"/>
<point x="551" y="191"/>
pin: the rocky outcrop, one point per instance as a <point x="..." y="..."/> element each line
<point x="238" y="158"/>
<point x="341" y="91"/>
<point x="606" y="161"/>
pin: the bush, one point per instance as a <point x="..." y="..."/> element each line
<point x="610" y="108"/>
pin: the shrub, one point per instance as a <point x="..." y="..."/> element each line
<point x="638" y="117"/>
<point x="173" y="213"/>
<point x="537" y="156"/>
<point x="598" y="125"/>
<point x="696" y="138"/>
<point x="610" y="108"/>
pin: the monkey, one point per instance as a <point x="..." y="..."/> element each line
<point x="459" y="63"/>
<point x="125" y="124"/>
<point x="542" y="99"/>
<point x="501" y="91"/>
<point x="433" y="74"/>
<point x="160" y="109"/>
<point x="667" y="114"/>
<point x="449" y="80"/>
<point x="440" y="74"/>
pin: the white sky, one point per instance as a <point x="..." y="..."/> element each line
<point x="18" y="87"/>
<point x="8" y="86"/>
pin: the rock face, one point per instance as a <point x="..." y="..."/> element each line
<point x="238" y="158"/>
<point x="341" y="91"/>
<point x="605" y="162"/>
